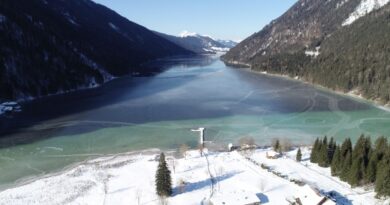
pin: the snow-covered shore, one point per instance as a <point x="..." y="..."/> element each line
<point x="129" y="179"/>
<point x="7" y="107"/>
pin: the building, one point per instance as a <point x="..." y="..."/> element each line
<point x="236" y="197"/>
<point x="309" y="196"/>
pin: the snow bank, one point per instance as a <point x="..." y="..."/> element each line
<point x="7" y="107"/>
<point x="129" y="179"/>
<point x="365" y="7"/>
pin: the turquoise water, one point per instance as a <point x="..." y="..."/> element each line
<point x="158" y="112"/>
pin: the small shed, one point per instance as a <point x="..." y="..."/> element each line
<point x="272" y="154"/>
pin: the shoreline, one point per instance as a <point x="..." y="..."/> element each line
<point x="350" y="94"/>
<point x="30" y="179"/>
<point x="27" y="99"/>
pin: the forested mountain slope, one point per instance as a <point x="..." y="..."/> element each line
<point x="340" y="44"/>
<point x="51" y="46"/>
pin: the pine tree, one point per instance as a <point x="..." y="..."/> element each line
<point x="299" y="155"/>
<point x="377" y="155"/>
<point x="325" y="141"/>
<point x="356" y="172"/>
<point x="380" y="147"/>
<point x="346" y="166"/>
<point x="336" y="162"/>
<point x="323" y="153"/>
<point x="314" y="151"/>
<point x="360" y="159"/>
<point x="382" y="183"/>
<point x="331" y="150"/>
<point x="277" y="146"/>
<point x="370" y="174"/>
<point x="345" y="148"/>
<point x="346" y="158"/>
<point x="163" y="178"/>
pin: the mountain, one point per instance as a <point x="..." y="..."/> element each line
<point x="340" y="44"/>
<point x="199" y="44"/>
<point x="227" y="43"/>
<point x="52" y="46"/>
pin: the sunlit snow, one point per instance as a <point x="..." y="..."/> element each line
<point x="365" y="7"/>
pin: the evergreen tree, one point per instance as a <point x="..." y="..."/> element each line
<point x="360" y="158"/>
<point x="356" y="172"/>
<point x="370" y="174"/>
<point x="314" y="151"/>
<point x="323" y="153"/>
<point x="345" y="158"/>
<point x="299" y="155"/>
<point x="331" y="150"/>
<point x="377" y="155"/>
<point x="277" y="145"/>
<point x="345" y="148"/>
<point x="325" y="141"/>
<point x="380" y="148"/>
<point x="163" y="178"/>
<point x="346" y="166"/>
<point x="336" y="162"/>
<point x="382" y="183"/>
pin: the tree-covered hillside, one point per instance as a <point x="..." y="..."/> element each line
<point x="312" y="41"/>
<point x="49" y="46"/>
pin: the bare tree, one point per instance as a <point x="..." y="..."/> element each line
<point x="138" y="195"/>
<point x="276" y="145"/>
<point x="182" y="185"/>
<point x="262" y="185"/>
<point x="172" y="162"/>
<point x="220" y="171"/>
<point x="285" y="145"/>
<point x="247" y="142"/>
<point x="183" y="150"/>
<point x="248" y="146"/>
<point x="163" y="200"/>
<point x="201" y="148"/>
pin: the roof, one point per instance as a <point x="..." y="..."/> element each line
<point x="236" y="197"/>
<point x="308" y="195"/>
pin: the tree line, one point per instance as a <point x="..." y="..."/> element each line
<point x="362" y="164"/>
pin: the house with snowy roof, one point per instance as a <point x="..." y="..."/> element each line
<point x="309" y="196"/>
<point x="236" y="197"/>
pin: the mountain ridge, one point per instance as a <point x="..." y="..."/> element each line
<point x="197" y="43"/>
<point x="297" y="44"/>
<point x="52" y="46"/>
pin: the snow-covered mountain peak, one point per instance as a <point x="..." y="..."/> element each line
<point x="185" y="34"/>
<point x="365" y="7"/>
<point x="199" y="43"/>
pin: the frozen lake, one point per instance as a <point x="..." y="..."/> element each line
<point x="158" y="112"/>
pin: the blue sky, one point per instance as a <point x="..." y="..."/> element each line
<point x="222" y="19"/>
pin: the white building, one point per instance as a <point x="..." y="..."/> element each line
<point x="308" y="196"/>
<point x="236" y="197"/>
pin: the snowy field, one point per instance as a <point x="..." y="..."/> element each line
<point x="129" y="179"/>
